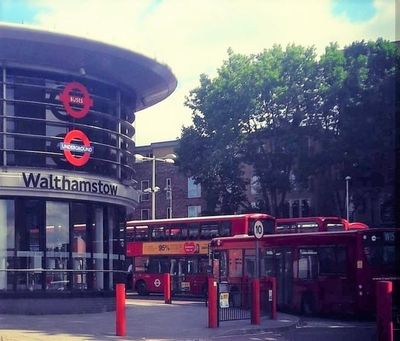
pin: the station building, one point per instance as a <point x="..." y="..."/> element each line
<point x="67" y="167"/>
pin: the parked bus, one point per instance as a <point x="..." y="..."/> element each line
<point x="180" y="247"/>
<point x="319" y="272"/>
<point x="315" y="224"/>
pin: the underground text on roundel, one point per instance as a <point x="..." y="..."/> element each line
<point x="62" y="183"/>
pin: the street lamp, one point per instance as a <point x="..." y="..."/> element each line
<point x="170" y="158"/>
<point x="347" y="178"/>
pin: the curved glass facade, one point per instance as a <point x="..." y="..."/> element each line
<point x="67" y="108"/>
<point x="34" y="122"/>
<point x="58" y="245"/>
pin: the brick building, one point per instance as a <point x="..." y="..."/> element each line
<point x="178" y="196"/>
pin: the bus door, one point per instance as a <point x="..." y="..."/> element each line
<point x="284" y="276"/>
<point x="178" y="271"/>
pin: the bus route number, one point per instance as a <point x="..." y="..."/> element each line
<point x="258" y="229"/>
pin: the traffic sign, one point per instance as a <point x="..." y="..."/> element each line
<point x="258" y="229"/>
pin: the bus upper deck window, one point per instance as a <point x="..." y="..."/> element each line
<point x="209" y="231"/>
<point x="193" y="231"/>
<point x="141" y="233"/>
<point x="225" y="229"/>
<point x="175" y="233"/>
<point x="158" y="233"/>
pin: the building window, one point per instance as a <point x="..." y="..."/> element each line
<point x="194" y="211"/>
<point x="194" y="190"/>
<point x="145" y="214"/>
<point x="144" y="184"/>
<point x="305" y="208"/>
<point x="295" y="209"/>
<point x="255" y="185"/>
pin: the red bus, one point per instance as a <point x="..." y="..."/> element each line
<point x="180" y="247"/>
<point x="315" y="224"/>
<point x="316" y="273"/>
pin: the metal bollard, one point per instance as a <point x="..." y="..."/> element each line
<point x="384" y="323"/>
<point x="120" y="321"/>
<point x="167" y="288"/>
<point x="255" y="301"/>
<point x="212" y="303"/>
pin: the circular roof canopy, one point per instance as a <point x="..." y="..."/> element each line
<point x="151" y="81"/>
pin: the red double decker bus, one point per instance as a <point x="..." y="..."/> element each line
<point x="318" y="272"/>
<point x="181" y="247"/>
<point x="315" y="224"/>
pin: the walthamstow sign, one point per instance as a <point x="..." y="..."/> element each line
<point x="66" y="185"/>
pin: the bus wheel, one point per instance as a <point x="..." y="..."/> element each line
<point x="307" y="304"/>
<point x="141" y="288"/>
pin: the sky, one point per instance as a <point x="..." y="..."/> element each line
<point x="192" y="37"/>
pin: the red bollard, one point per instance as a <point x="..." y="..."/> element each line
<point x="120" y="321"/>
<point x="273" y="298"/>
<point x="167" y="288"/>
<point x="255" y="301"/>
<point x="384" y="323"/>
<point x="212" y="303"/>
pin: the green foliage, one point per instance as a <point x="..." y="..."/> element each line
<point x="290" y="115"/>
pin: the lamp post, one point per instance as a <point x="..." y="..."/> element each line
<point x="170" y="158"/>
<point x="347" y="178"/>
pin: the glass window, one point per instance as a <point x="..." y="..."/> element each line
<point x="158" y="233"/>
<point x="225" y="229"/>
<point x="209" y="231"/>
<point x="194" y="190"/>
<point x="29" y="243"/>
<point x="249" y="263"/>
<point x="269" y="267"/>
<point x="193" y="231"/>
<point x="308" y="264"/>
<point x="144" y="184"/>
<point x="145" y="214"/>
<point x="7" y="243"/>
<point x="57" y="245"/>
<point x="80" y="247"/>
<point x="194" y="211"/>
<point x="99" y="256"/>
<point x="235" y="263"/>
<point x="141" y="233"/>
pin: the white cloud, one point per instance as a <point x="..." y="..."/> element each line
<point x="192" y="37"/>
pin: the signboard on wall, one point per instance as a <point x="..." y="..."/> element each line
<point x="77" y="103"/>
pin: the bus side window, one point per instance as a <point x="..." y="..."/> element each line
<point x="332" y="260"/>
<point x="249" y="263"/>
<point x="154" y="266"/>
<point x="308" y="264"/>
<point x="193" y="231"/>
<point x="269" y="269"/>
<point x="209" y="231"/>
<point x="141" y="233"/>
<point x="158" y="233"/>
<point x="225" y="229"/>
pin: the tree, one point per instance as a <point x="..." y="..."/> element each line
<point x="291" y="116"/>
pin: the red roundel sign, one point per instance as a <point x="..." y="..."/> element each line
<point x="189" y="247"/>
<point x="68" y="99"/>
<point x="68" y="147"/>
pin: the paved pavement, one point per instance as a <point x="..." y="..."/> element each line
<point x="145" y="320"/>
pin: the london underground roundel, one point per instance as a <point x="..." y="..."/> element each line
<point x="68" y="97"/>
<point x="69" y="147"/>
